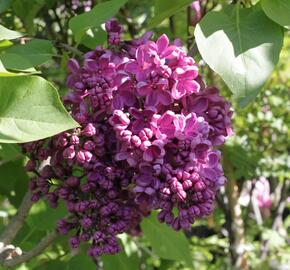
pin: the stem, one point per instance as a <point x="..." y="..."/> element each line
<point x="17" y="221"/>
<point x="189" y="20"/>
<point x="236" y="224"/>
<point x="43" y="244"/>
<point x="172" y="26"/>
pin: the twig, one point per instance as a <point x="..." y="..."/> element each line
<point x="172" y="26"/>
<point x="67" y="47"/>
<point x="17" y="221"/>
<point x="37" y="250"/>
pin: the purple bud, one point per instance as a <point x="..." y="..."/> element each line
<point x="69" y="153"/>
<point x="89" y="130"/>
<point x="74" y="242"/>
<point x="73" y="181"/>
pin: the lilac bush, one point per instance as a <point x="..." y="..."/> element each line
<point x="147" y="141"/>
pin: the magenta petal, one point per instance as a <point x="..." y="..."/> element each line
<point x="192" y="86"/>
<point x="151" y="99"/>
<point x="178" y="91"/>
<point x="162" y="43"/>
<point x="164" y="97"/>
<point x="143" y="88"/>
<point x="128" y="98"/>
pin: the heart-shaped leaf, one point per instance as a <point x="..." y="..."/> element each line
<point x="242" y="46"/>
<point x="30" y="109"/>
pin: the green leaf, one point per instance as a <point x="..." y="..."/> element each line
<point x="164" y="9"/>
<point x="16" y="62"/>
<point x="242" y="46"/>
<point x="166" y="243"/>
<point x="94" y="37"/>
<point x="36" y="52"/>
<point x="278" y="11"/>
<point x="52" y="265"/>
<point x="80" y="261"/>
<point x="4" y="5"/>
<point x="30" y="109"/>
<point x="6" y="34"/>
<point x="120" y="261"/>
<point x="43" y="217"/>
<point x="94" y="18"/>
<point x="9" y="152"/>
<point x="13" y="180"/>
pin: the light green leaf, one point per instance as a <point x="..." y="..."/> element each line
<point x="30" y="109"/>
<point x="94" y="18"/>
<point x="120" y="261"/>
<point x="242" y="46"/>
<point x="278" y="11"/>
<point x="6" y="34"/>
<point x="164" y="9"/>
<point x="166" y="243"/>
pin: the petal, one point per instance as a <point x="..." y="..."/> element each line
<point x="178" y="90"/>
<point x="162" y="43"/>
<point x="143" y="88"/>
<point x="164" y="97"/>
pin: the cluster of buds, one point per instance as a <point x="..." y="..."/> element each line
<point x="147" y="141"/>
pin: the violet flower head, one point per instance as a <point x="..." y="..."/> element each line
<point x="146" y="141"/>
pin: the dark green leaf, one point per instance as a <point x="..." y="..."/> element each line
<point x="80" y="261"/>
<point x="9" y="152"/>
<point x="278" y="11"/>
<point x="53" y="265"/>
<point x="4" y="5"/>
<point x="13" y="180"/>
<point x="25" y="57"/>
<point x="30" y="109"/>
<point x="16" y="62"/>
<point x="166" y="243"/>
<point x="120" y="261"/>
<point x="94" y="18"/>
<point x="242" y="46"/>
<point x="6" y="34"/>
<point x="164" y="9"/>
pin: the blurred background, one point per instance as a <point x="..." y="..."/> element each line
<point x="249" y="227"/>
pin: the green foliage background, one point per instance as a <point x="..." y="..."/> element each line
<point x="260" y="146"/>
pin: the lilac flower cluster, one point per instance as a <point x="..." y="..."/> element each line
<point x="147" y="141"/>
